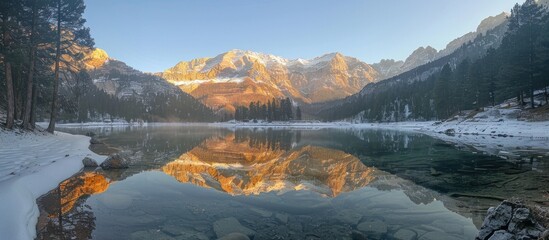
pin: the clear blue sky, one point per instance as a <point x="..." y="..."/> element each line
<point x="152" y="35"/>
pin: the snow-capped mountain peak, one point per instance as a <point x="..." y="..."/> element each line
<point x="229" y="76"/>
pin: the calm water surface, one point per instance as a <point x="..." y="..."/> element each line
<point x="205" y="182"/>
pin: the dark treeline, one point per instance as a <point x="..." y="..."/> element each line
<point x="516" y="69"/>
<point x="88" y="103"/>
<point x="273" y="110"/>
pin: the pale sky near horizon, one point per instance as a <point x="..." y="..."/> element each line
<point x="152" y="36"/>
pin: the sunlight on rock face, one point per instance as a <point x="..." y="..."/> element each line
<point x="239" y="169"/>
<point x="238" y="77"/>
<point x="96" y="58"/>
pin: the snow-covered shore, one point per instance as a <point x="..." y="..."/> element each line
<point x="94" y="124"/>
<point x="31" y="164"/>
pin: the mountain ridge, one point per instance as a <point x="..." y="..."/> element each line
<point x="389" y="67"/>
<point x="238" y="77"/>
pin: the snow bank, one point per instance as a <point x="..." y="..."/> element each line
<point x="496" y="121"/>
<point x="120" y="123"/>
<point x="31" y="164"/>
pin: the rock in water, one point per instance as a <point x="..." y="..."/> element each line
<point x="373" y="228"/>
<point x="282" y="218"/>
<point x="231" y="225"/>
<point x="544" y="235"/>
<point x="150" y="234"/>
<point x="436" y="235"/>
<point x="94" y="140"/>
<point x="115" y="161"/>
<point x="405" y="234"/>
<point x="234" y="236"/>
<point x="90" y="134"/>
<point x="510" y="220"/>
<point x="88" y="162"/>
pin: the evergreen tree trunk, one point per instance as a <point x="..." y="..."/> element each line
<point x="9" y="79"/>
<point x="18" y="91"/>
<point x="53" y="115"/>
<point x="532" y="98"/>
<point x="546" y="96"/>
<point x="32" y="122"/>
<point x="9" y="95"/>
<point x="30" y="85"/>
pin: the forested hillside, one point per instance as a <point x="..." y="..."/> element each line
<point x="517" y="68"/>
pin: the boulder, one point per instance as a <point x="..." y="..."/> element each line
<point x="115" y="161"/>
<point x="405" y="234"/>
<point x="90" y="134"/>
<point x="450" y="132"/>
<point x="374" y="228"/>
<point x="94" y="140"/>
<point x="436" y="235"/>
<point x="510" y="220"/>
<point x="520" y="220"/>
<point x="356" y="235"/>
<point x="501" y="235"/>
<point x="496" y="219"/>
<point x="234" y="236"/>
<point x="150" y="234"/>
<point x="231" y="225"/>
<point x="282" y="218"/>
<point x="88" y="162"/>
<point x="544" y="235"/>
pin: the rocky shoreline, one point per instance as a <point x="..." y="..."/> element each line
<point x="513" y="219"/>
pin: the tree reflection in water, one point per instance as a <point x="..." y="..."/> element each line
<point x="64" y="213"/>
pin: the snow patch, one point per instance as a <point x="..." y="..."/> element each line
<point x="31" y="164"/>
<point x="214" y="80"/>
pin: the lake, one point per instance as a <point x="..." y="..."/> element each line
<point x="204" y="182"/>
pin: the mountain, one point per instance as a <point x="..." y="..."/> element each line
<point x="118" y="79"/>
<point x="388" y="68"/>
<point x="356" y="106"/>
<point x="482" y="29"/>
<point x="118" y="90"/>
<point x="238" y="77"/>
<point x="419" y="57"/>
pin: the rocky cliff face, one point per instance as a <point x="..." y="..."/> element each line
<point x="238" y="77"/>
<point x="96" y="59"/>
<point x="486" y="25"/>
<point x="419" y="57"/>
<point x="423" y="55"/>
<point x="118" y="79"/>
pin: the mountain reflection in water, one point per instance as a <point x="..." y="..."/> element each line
<point x="240" y="167"/>
<point x="290" y="183"/>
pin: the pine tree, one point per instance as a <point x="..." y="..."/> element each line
<point x="520" y="52"/>
<point x="298" y="113"/>
<point x="9" y="11"/>
<point x="70" y="31"/>
<point x="442" y="91"/>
